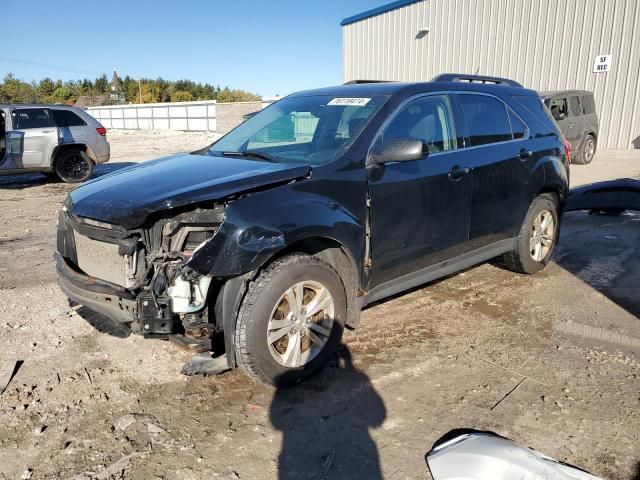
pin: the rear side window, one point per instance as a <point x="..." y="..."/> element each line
<point x="487" y="119"/>
<point x="26" y="118"/>
<point x="588" y="105"/>
<point x="66" y="118"/>
<point x="576" y="108"/>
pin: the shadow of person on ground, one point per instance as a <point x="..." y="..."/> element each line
<point x="636" y="476"/>
<point x="26" y="180"/>
<point x="325" y="424"/>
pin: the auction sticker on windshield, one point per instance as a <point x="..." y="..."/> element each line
<point x="349" y="102"/>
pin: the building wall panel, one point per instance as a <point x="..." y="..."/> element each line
<point x="544" y="44"/>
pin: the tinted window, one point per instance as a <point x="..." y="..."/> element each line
<point x="576" y="108"/>
<point x="588" y="105"/>
<point x="486" y="118"/>
<point x="428" y="119"/>
<point x="517" y="126"/>
<point x="32" y="118"/>
<point x="66" y="118"/>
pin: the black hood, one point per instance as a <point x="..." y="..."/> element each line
<point x="128" y="196"/>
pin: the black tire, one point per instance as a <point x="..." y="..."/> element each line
<point x="521" y="259"/>
<point x="587" y="151"/>
<point x="74" y="166"/>
<point x="264" y="294"/>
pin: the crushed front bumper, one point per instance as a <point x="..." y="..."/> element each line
<point x="102" y="297"/>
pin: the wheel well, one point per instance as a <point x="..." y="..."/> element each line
<point x="229" y="298"/>
<point x="72" y="146"/>
<point x="552" y="191"/>
<point x="336" y="255"/>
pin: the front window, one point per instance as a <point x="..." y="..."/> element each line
<point x="312" y="130"/>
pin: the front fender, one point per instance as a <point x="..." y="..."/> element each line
<point x="257" y="227"/>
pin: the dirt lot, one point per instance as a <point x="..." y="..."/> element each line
<point x="87" y="405"/>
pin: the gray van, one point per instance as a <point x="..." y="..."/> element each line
<point x="575" y="113"/>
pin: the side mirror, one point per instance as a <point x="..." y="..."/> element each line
<point x="399" y="150"/>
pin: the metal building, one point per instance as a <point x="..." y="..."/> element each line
<point x="544" y="44"/>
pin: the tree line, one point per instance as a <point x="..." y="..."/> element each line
<point x="128" y="90"/>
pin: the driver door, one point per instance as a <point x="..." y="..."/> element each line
<point x="420" y="209"/>
<point x="39" y="136"/>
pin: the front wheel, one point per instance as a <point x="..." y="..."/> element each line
<point x="290" y="321"/>
<point x="74" y="166"/>
<point x="538" y="237"/>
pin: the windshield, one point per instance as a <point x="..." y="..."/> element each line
<point x="312" y="130"/>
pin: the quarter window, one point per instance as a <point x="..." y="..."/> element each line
<point x="26" y="118"/>
<point x="517" y="126"/>
<point x="486" y="118"/>
<point x="428" y="119"/>
<point x="66" y="118"/>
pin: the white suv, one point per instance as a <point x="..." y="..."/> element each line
<point x="56" y="139"/>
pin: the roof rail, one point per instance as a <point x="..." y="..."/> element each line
<point x="461" y="77"/>
<point x="358" y="82"/>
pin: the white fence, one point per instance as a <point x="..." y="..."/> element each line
<point x="189" y="116"/>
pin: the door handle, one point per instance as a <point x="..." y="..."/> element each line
<point x="524" y="154"/>
<point x="46" y="131"/>
<point x="457" y="172"/>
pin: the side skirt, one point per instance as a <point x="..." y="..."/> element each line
<point x="439" y="270"/>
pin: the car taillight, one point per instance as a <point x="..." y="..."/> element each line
<point x="567" y="149"/>
<point x="102" y="131"/>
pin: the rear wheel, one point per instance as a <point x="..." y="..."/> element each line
<point x="74" y="166"/>
<point x="291" y="320"/>
<point x="538" y="237"/>
<point x="587" y="152"/>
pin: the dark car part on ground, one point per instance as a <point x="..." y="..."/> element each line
<point x="614" y="196"/>
<point x="266" y="245"/>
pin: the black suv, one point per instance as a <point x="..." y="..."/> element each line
<point x="265" y="245"/>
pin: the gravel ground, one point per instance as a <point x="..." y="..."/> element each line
<point x="87" y="405"/>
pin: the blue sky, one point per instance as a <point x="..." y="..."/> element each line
<point x="267" y="47"/>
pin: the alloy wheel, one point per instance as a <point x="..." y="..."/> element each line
<point x="75" y="167"/>
<point x="300" y="324"/>
<point x="542" y="235"/>
<point x="589" y="150"/>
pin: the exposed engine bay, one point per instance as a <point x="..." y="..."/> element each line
<point x="152" y="264"/>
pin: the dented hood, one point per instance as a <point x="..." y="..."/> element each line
<point x="128" y="196"/>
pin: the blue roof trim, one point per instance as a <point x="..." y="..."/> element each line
<point x="377" y="11"/>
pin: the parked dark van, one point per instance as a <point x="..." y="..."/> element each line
<point x="274" y="238"/>
<point x="575" y="113"/>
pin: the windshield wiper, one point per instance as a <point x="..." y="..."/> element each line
<point x="252" y="153"/>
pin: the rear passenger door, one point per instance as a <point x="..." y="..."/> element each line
<point x="72" y="128"/>
<point x="499" y="153"/>
<point x="38" y="137"/>
<point x="576" y="122"/>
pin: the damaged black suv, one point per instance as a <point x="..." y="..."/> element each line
<point x="264" y="246"/>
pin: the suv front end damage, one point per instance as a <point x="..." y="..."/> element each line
<point x="141" y="277"/>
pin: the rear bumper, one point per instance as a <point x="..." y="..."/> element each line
<point x="102" y="297"/>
